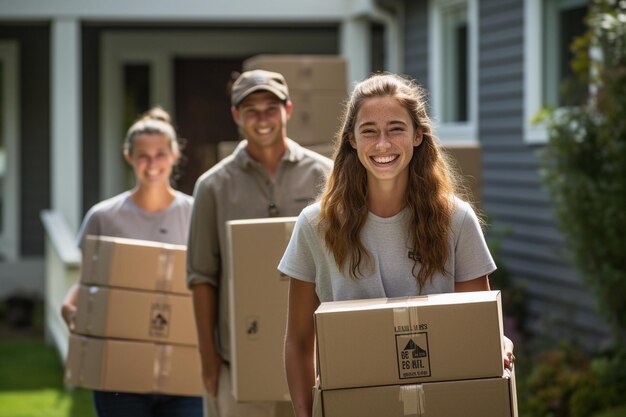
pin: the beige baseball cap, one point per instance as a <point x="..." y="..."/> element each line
<point x="259" y="80"/>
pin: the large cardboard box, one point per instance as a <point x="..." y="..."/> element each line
<point x="132" y="263"/>
<point x="304" y="72"/>
<point x="383" y="341"/>
<point x="127" y="366"/>
<point x="258" y="307"/>
<point x="490" y="397"/>
<point x="468" y="159"/>
<point x="135" y="315"/>
<point x="317" y="88"/>
<point x="315" y="116"/>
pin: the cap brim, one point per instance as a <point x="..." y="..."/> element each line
<point x="281" y="96"/>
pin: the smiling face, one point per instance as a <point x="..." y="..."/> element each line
<point x="384" y="137"/>
<point x="152" y="159"/>
<point x="263" y="119"/>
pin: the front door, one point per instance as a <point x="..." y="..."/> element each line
<point x="202" y="113"/>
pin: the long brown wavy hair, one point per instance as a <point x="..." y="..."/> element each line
<point x="429" y="193"/>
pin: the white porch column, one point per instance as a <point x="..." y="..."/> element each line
<point x="355" y="48"/>
<point x="65" y="105"/>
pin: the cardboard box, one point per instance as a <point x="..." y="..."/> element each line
<point x="304" y="72"/>
<point x="394" y="341"/>
<point x="317" y="88"/>
<point x="258" y="307"/>
<point x="468" y="160"/>
<point x="135" y="315"/>
<point x="127" y="366"/>
<point x="136" y="264"/>
<point x="491" y="397"/>
<point x="315" y="116"/>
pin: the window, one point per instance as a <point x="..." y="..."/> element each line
<point x="453" y="68"/>
<point x="550" y="28"/>
<point x="9" y="200"/>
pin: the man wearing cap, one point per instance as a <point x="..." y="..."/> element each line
<point x="267" y="175"/>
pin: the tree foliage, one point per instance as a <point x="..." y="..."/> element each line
<point x="584" y="163"/>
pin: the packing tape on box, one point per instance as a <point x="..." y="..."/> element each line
<point x="289" y="226"/>
<point x="82" y="359"/>
<point x="165" y="270"/>
<point x="91" y="291"/>
<point x="413" y="400"/>
<point x="289" y="231"/>
<point x="162" y="367"/>
<point x="406" y="317"/>
<point x="93" y="262"/>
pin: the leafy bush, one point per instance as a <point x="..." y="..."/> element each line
<point x="555" y="377"/>
<point x="565" y="382"/>
<point x="584" y="164"/>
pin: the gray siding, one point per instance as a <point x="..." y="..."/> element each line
<point x="559" y="305"/>
<point x="513" y="199"/>
<point x="34" y="128"/>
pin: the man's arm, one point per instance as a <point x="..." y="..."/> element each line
<point x="203" y="266"/>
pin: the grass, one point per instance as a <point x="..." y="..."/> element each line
<point x="31" y="374"/>
<point x="31" y="382"/>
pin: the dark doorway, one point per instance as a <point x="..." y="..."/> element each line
<point x="202" y="109"/>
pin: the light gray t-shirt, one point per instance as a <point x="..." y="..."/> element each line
<point x="307" y="258"/>
<point x="119" y="216"/>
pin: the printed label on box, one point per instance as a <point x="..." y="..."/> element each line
<point x="413" y="358"/>
<point x="160" y="320"/>
<point x="252" y="327"/>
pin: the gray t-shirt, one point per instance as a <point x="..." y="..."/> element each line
<point x="119" y="216"/>
<point x="307" y="258"/>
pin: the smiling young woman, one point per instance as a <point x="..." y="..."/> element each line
<point x="390" y="222"/>
<point x="152" y="210"/>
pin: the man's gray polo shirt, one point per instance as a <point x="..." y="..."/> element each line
<point x="238" y="187"/>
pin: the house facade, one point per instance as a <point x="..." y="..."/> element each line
<point x="490" y="66"/>
<point x="73" y="74"/>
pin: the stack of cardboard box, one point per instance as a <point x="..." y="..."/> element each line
<point x="135" y="327"/>
<point x="317" y="88"/>
<point x="258" y="307"/>
<point x="435" y="356"/>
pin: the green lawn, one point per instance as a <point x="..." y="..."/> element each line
<point x="31" y="382"/>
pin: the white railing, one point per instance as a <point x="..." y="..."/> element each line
<point x="63" y="258"/>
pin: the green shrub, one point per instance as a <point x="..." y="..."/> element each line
<point x="566" y="382"/>
<point x="584" y="163"/>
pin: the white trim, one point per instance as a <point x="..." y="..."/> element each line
<point x="65" y="112"/>
<point x="534" y="47"/>
<point x="446" y="131"/>
<point x="62" y="238"/>
<point x="10" y="236"/>
<point x="533" y="79"/>
<point x="62" y="268"/>
<point x="357" y="54"/>
<point x="207" y="11"/>
<point x="157" y="49"/>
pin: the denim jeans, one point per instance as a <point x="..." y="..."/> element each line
<point x="121" y="404"/>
